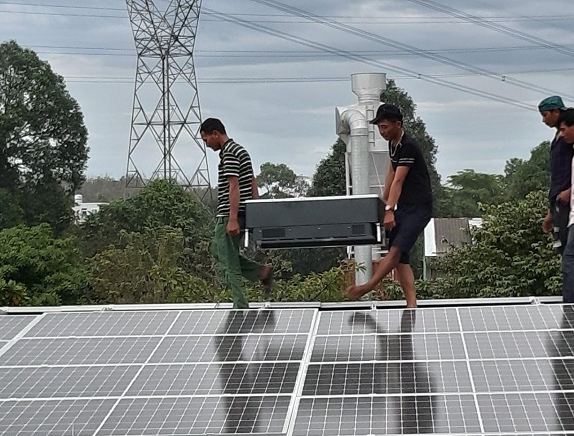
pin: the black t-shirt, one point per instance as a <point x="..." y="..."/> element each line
<point x="416" y="187"/>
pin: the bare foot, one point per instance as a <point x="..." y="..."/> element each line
<point x="356" y="292"/>
<point x="266" y="276"/>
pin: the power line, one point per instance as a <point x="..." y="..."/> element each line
<point x="355" y="57"/>
<point x="363" y="20"/>
<point x="412" y="49"/>
<point x="496" y="27"/>
<point x="362" y="59"/>
<point x="378" y="18"/>
<point x="287" y="53"/>
<point x="257" y="80"/>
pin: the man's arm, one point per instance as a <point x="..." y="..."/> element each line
<point x="564" y="196"/>
<point x="394" y="195"/>
<point x="397" y="185"/>
<point x="388" y="182"/>
<point x="254" y="189"/>
<point x="233" y="223"/>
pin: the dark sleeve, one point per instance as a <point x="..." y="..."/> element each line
<point x="407" y="155"/>
<point x="230" y="164"/>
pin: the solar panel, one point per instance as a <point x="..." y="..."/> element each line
<point x="528" y="412"/>
<point x="103" y="324"/>
<point x="11" y="325"/>
<point x="453" y="414"/>
<point x="476" y="370"/>
<point x="235" y="378"/>
<point x="52" y="417"/>
<point x="154" y="372"/>
<point x="387" y="378"/>
<point x="76" y="351"/>
<point x="442" y="320"/>
<point x="65" y="382"/>
<point x="198" y="415"/>
<point x="188" y="349"/>
<point x="222" y="322"/>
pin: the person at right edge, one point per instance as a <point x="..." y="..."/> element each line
<point x="566" y="128"/>
<point x="408" y="204"/>
<point x="556" y="220"/>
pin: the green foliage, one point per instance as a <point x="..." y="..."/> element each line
<point x="329" y="178"/>
<point x="160" y="204"/>
<point x="468" y="190"/>
<point x="326" y="286"/>
<point x="146" y="268"/>
<point x="43" y="150"/>
<point x="38" y="269"/>
<point x="524" y="176"/>
<point x="509" y="256"/>
<point x="276" y="179"/>
<point x="11" y="214"/>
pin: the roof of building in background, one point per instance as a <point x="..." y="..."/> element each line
<point x="441" y="234"/>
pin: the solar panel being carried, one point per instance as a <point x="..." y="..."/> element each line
<point x="478" y="370"/>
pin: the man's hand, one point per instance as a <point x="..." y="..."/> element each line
<point x="233" y="227"/>
<point x="547" y="223"/>
<point x="564" y="197"/>
<point x="389" y="220"/>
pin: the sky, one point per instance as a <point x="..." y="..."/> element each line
<point x="513" y="50"/>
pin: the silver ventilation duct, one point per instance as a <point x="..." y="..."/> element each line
<point x="352" y="124"/>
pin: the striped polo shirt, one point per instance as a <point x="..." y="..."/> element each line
<point x="233" y="161"/>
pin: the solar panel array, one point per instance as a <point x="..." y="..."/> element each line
<point x="478" y="370"/>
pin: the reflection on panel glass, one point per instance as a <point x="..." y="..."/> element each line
<point x="242" y="413"/>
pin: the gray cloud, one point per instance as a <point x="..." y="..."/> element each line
<point x="294" y="122"/>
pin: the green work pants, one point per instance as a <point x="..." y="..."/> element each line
<point x="231" y="265"/>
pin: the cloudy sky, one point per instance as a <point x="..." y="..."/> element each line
<point x="512" y="51"/>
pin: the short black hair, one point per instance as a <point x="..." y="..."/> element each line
<point x="211" y="125"/>
<point x="566" y="117"/>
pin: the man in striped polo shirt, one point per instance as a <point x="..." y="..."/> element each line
<point x="236" y="185"/>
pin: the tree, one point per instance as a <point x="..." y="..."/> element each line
<point x="329" y="178"/>
<point x="509" y="256"/>
<point x="11" y="214"/>
<point x="147" y="268"/>
<point x="42" y="137"/>
<point x="38" y="269"/>
<point x="524" y="176"/>
<point x="280" y="181"/>
<point x="161" y="204"/>
<point x="468" y="190"/>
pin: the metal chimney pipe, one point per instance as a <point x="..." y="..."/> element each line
<point x="354" y="128"/>
<point x="368" y="87"/>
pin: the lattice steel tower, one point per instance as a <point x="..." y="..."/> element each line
<point x="166" y="109"/>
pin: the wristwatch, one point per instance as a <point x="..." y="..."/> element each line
<point x="389" y="207"/>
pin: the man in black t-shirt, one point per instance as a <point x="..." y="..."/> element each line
<point x="408" y="204"/>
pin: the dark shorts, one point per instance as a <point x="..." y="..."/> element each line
<point x="560" y="216"/>
<point x="410" y="222"/>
